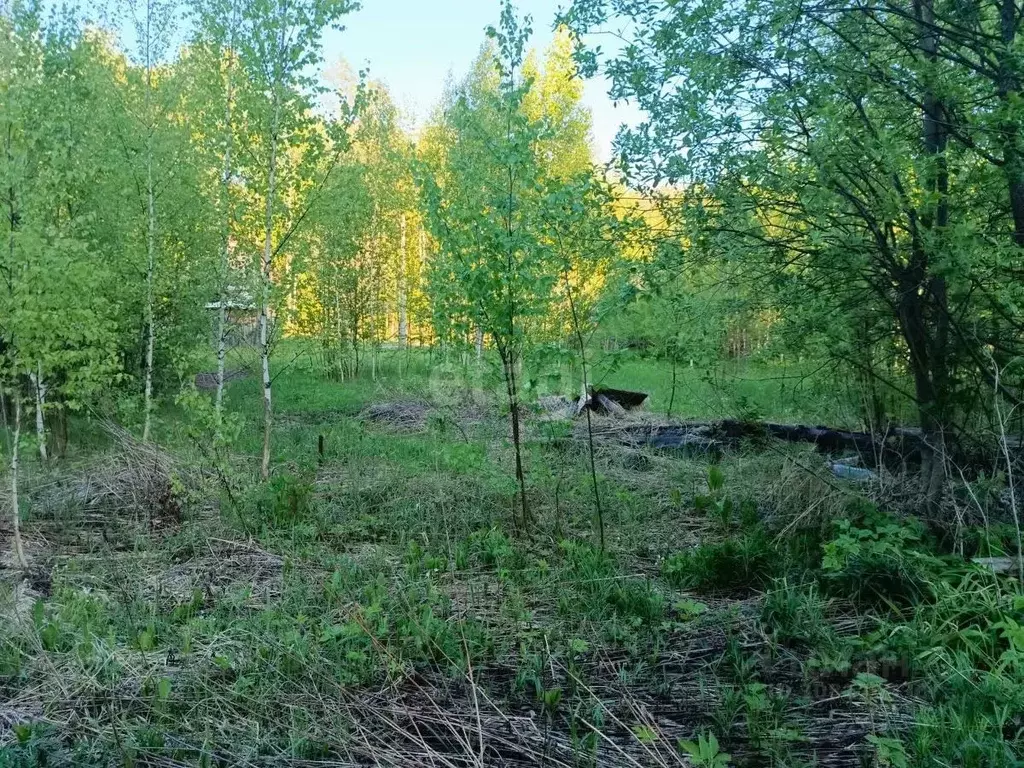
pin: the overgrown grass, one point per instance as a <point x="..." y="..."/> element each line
<point x="379" y="591"/>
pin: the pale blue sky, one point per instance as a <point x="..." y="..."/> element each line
<point x="412" y="45"/>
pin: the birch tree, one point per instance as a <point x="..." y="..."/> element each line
<point x="486" y="203"/>
<point x="280" y="44"/>
<point x="153" y="22"/>
<point x="20" y="82"/>
<point x="218" y="22"/>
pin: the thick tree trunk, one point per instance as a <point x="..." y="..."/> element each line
<point x="924" y="310"/>
<point x="931" y="412"/>
<point x="265" y="276"/>
<point x="19" y="551"/>
<point x="403" y="295"/>
<point x="39" y="387"/>
<point x="1008" y="86"/>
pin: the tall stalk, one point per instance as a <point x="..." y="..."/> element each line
<point x="403" y="288"/>
<point x="508" y="361"/>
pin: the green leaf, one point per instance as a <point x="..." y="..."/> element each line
<point x="163" y="689"/>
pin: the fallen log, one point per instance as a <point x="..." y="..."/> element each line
<point x="715" y="436"/>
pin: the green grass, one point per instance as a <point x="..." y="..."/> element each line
<point x="803" y="393"/>
<point x="334" y="612"/>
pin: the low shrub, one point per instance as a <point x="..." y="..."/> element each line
<point x="880" y="561"/>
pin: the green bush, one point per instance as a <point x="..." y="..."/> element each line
<point x="881" y="561"/>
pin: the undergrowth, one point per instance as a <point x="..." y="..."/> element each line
<point x="381" y="588"/>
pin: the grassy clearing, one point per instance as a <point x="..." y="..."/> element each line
<point x="795" y="392"/>
<point x="376" y="605"/>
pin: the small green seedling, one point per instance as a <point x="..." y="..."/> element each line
<point x="705" y="752"/>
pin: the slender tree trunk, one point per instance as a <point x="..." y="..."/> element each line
<point x="509" y="349"/>
<point x="268" y="255"/>
<point x="225" y="243"/>
<point x="150" y="239"/>
<point x="479" y="343"/>
<point x="599" y="512"/>
<point x="39" y="386"/>
<point x="355" y="338"/>
<point x="420" y="266"/>
<point x="19" y="551"/>
<point x="403" y="296"/>
<point x="339" y="333"/>
<point x="57" y="430"/>
<point x="512" y="389"/>
<point x="672" y="394"/>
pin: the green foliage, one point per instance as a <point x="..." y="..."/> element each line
<point x="882" y="561"/>
<point x="705" y="752"/>
<point x="795" y="614"/>
<point x="873" y="222"/>
<point x="748" y="561"/>
<point x="849" y="229"/>
<point x="283" y="502"/>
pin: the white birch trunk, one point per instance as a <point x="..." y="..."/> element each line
<point x="225" y="182"/>
<point x="268" y="255"/>
<point x="403" y="296"/>
<point x="150" y="235"/>
<point x="19" y="551"/>
<point x="479" y="343"/>
<point x="40" y="391"/>
<point x="339" y="332"/>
